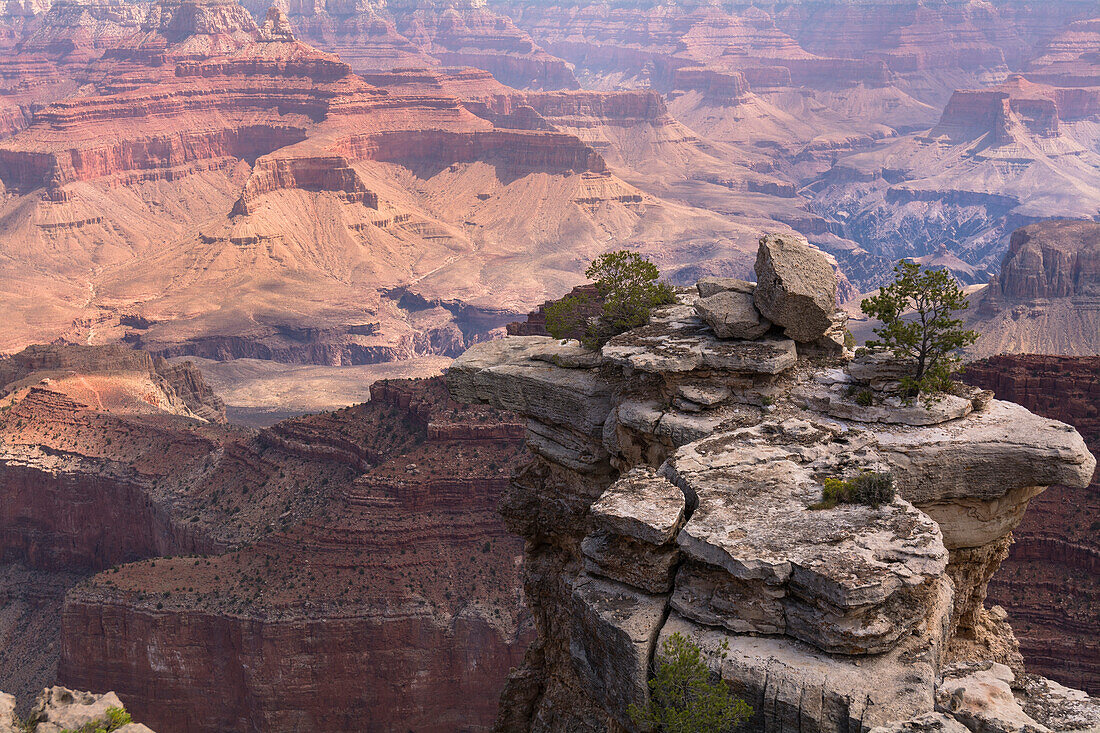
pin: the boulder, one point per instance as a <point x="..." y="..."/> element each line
<point x="614" y="632"/>
<point x="796" y="287"/>
<point x="709" y="286"/>
<point x="641" y="505"/>
<point x="732" y="315"/>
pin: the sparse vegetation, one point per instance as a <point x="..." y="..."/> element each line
<point x="628" y="287"/>
<point x="871" y="488"/>
<point x="114" y="719"/>
<point x="918" y="323"/>
<point x="683" y="696"/>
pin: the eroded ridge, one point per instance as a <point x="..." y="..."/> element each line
<point x="677" y="487"/>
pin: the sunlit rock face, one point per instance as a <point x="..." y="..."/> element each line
<point x="827" y="617"/>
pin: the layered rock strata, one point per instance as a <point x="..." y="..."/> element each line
<point x="822" y="619"/>
<point x="1050" y="583"/>
<point x="387" y="597"/>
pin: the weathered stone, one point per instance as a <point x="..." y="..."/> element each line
<point x="641" y="505"/>
<point x="986" y="456"/>
<point x="705" y="395"/>
<point x="709" y="286"/>
<point x="927" y="723"/>
<point x="1058" y="708"/>
<point x="676" y="340"/>
<point x="566" y="448"/>
<point x="8" y="721"/>
<point x="58" y="709"/>
<point x="796" y="287"/>
<point x="892" y="410"/>
<point x="712" y="596"/>
<point x="631" y="561"/>
<point x="980" y="697"/>
<point x="732" y="315"/>
<point x="514" y="374"/>
<point x="878" y="367"/>
<point x="615" y="628"/>
<point x="793" y="686"/>
<point x="853" y="579"/>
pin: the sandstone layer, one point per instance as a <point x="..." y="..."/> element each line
<point x="676" y="487"/>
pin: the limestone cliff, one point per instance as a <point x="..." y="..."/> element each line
<point x="674" y="487"/>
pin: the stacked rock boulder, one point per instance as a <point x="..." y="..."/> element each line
<point x="673" y="489"/>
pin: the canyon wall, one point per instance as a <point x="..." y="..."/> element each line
<point x="390" y="600"/>
<point x="1049" y="581"/>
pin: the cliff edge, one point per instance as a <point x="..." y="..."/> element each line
<point x="675" y="488"/>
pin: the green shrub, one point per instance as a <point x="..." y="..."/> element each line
<point x="870" y="488"/>
<point x="628" y="288"/>
<point x="114" y="719"/>
<point x="865" y="398"/>
<point x="684" y="698"/>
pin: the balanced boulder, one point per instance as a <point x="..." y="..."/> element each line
<point x="796" y="287"/>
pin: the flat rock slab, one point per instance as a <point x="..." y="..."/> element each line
<point x="796" y="287"/>
<point x="709" y="286"/>
<point x="851" y="579"/>
<point x="518" y="374"/>
<point x="985" y="456"/>
<point x="835" y="402"/>
<point x="641" y="505"/>
<point x="615" y="629"/>
<point x="677" y="340"/>
<point x="732" y="315"/>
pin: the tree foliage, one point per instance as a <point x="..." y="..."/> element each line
<point x="684" y="698"/>
<point x="628" y="287"/>
<point x="917" y="315"/>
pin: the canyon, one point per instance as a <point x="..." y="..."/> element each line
<point x="1048" y="582"/>
<point x="381" y="161"/>
<point x="228" y="533"/>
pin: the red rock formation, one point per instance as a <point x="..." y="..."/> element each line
<point x="1058" y="259"/>
<point x="394" y="605"/>
<point x="1050" y="582"/>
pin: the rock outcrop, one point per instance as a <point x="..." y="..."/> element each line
<point x="821" y="618"/>
<point x="59" y="709"/>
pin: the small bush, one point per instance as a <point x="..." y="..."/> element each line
<point x="684" y="698"/>
<point x="113" y="720"/>
<point x="628" y="287"/>
<point x="865" y="398"/>
<point x="871" y="488"/>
